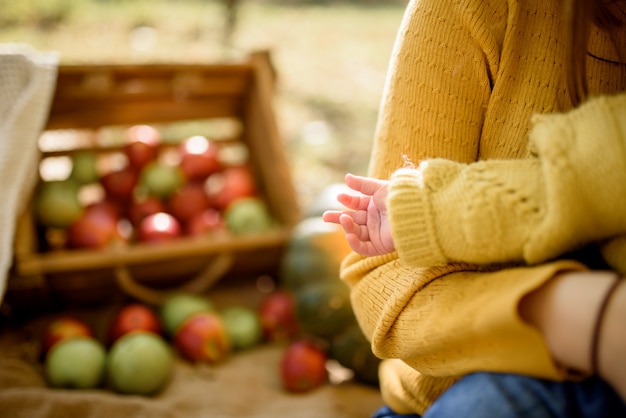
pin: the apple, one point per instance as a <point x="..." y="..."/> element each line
<point x="277" y="312"/>
<point x="158" y="227"/>
<point x="142" y="206"/>
<point x="62" y="328"/>
<point x="303" y="367"/>
<point x="85" y="167"/>
<point x="188" y="201"/>
<point x="179" y="306"/>
<point x="142" y="144"/>
<point x="243" y="327"/>
<point x="133" y="317"/>
<point x="77" y="362"/>
<point x="97" y="227"/>
<point x="202" y="338"/>
<point x="205" y="222"/>
<point x="199" y="158"/>
<point x="248" y="215"/>
<point x="231" y="183"/>
<point x="160" y="179"/>
<point x="57" y="203"/>
<point x="120" y="184"/>
<point x="139" y="363"/>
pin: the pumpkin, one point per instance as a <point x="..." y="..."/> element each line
<point x="323" y="309"/>
<point x="313" y="253"/>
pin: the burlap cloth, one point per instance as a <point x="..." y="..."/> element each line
<point x="246" y="385"/>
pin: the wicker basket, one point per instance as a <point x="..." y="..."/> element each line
<point x="93" y="97"/>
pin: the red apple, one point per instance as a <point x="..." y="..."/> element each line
<point x="97" y="227"/>
<point x="303" y="367"/>
<point x="142" y="145"/>
<point x="159" y="227"/>
<point x="140" y="207"/>
<point x="277" y="312"/>
<point x="62" y="328"/>
<point x="199" y="158"/>
<point x="134" y="317"/>
<point x="206" y="222"/>
<point x="119" y="184"/>
<point x="188" y="201"/>
<point x="231" y="184"/>
<point x="202" y="337"/>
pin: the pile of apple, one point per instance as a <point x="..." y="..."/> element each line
<point x="150" y="192"/>
<point x="137" y="354"/>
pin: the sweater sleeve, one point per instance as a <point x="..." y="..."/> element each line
<point x="530" y="210"/>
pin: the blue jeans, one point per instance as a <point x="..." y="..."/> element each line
<point x="481" y="395"/>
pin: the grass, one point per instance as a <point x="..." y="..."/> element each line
<point x="331" y="62"/>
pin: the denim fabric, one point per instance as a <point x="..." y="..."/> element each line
<point x="492" y="395"/>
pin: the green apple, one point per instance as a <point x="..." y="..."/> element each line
<point x="139" y="363"/>
<point x="85" y="167"/>
<point x="77" y="362"/>
<point x="181" y="306"/>
<point x="248" y="215"/>
<point x="160" y="179"/>
<point x="57" y="203"/>
<point x="243" y="326"/>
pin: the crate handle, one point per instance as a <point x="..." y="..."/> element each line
<point x="198" y="284"/>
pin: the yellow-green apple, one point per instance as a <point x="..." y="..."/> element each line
<point x="84" y="167"/>
<point x="57" y="203"/>
<point x="160" y="179"/>
<point x="77" y="363"/>
<point x="243" y="327"/>
<point x="248" y="215"/>
<point x="139" y="363"/>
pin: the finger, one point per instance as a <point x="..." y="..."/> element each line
<point x="331" y="216"/>
<point x="366" y="185"/>
<point x="353" y="202"/>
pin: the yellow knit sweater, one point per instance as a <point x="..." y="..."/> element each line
<point x="465" y="79"/>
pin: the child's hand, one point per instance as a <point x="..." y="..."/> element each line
<point x="365" y="223"/>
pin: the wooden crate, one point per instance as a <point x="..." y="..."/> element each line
<point x="92" y="97"/>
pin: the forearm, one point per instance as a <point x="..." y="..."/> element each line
<point x="580" y="335"/>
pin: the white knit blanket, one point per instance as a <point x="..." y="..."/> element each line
<point x="27" y="81"/>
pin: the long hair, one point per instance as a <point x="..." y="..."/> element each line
<point x="579" y="15"/>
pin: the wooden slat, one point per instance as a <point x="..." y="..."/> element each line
<point x="136" y="254"/>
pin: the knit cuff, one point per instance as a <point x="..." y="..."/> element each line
<point x="412" y="221"/>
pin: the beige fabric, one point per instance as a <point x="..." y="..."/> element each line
<point x="27" y="80"/>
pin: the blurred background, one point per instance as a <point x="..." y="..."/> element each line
<point x="331" y="57"/>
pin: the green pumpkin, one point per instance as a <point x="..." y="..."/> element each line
<point x="323" y="309"/>
<point x="313" y="254"/>
<point x="353" y="351"/>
